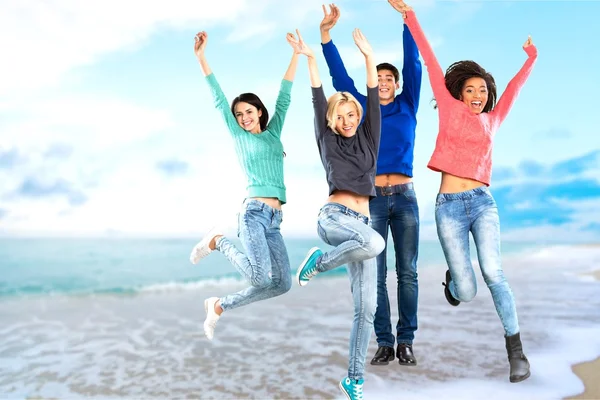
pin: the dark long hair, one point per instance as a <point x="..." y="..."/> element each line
<point x="459" y="72"/>
<point x="255" y="101"/>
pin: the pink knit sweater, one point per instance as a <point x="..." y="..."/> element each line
<point x="464" y="142"/>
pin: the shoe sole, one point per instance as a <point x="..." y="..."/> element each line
<point x="449" y="298"/>
<point x="408" y="364"/>
<point x="520" y="378"/>
<point x="310" y="253"/>
<point x="382" y="362"/>
<point x="344" y="391"/>
<point x="206" y="311"/>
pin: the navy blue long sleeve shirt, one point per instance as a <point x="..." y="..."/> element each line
<point x="398" y="118"/>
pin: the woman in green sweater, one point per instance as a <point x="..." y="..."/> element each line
<point x="260" y="152"/>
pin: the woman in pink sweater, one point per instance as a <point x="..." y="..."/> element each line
<point x="468" y="119"/>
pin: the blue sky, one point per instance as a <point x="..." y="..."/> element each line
<point x="107" y="126"/>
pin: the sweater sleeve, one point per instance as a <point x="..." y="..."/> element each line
<point x="339" y="76"/>
<point x="513" y="88"/>
<point x="434" y="70"/>
<point x="281" y="106"/>
<point x="412" y="72"/>
<point x="320" y="108"/>
<point x="373" y="117"/>
<point x="222" y="105"/>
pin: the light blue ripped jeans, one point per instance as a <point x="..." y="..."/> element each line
<point x="266" y="265"/>
<point x="357" y="245"/>
<point x="475" y="210"/>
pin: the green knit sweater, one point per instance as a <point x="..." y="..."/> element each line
<point x="259" y="154"/>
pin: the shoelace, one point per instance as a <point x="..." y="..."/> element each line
<point x="358" y="392"/>
<point x="312" y="271"/>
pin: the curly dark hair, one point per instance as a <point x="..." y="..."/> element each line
<point x="459" y="72"/>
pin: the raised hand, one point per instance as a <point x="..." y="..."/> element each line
<point x="298" y="44"/>
<point x="400" y="6"/>
<point x="362" y="43"/>
<point x="329" y="18"/>
<point x="528" y="43"/>
<point x="200" y="41"/>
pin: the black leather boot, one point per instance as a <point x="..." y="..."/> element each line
<point x="447" y="293"/>
<point x="383" y="356"/>
<point x="519" y="365"/>
<point x="405" y="355"/>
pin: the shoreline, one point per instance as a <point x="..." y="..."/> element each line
<point x="588" y="373"/>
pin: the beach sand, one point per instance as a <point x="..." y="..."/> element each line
<point x="589" y="373"/>
<point x="151" y="345"/>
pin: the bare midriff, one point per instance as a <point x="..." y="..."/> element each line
<point x="270" y="201"/>
<point x="456" y="184"/>
<point x="351" y="200"/>
<point x="391" y="179"/>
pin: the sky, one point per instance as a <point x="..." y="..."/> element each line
<point x="107" y="126"/>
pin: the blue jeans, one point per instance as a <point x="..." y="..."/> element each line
<point x="356" y="245"/>
<point x="396" y="207"/>
<point x="475" y="210"/>
<point x="266" y="265"/>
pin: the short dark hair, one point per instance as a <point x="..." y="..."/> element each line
<point x="459" y="72"/>
<point x="389" y="67"/>
<point x="255" y="101"/>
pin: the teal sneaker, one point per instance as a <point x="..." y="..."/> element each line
<point x="352" y="388"/>
<point x="308" y="268"/>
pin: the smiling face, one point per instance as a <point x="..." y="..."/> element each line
<point x="387" y="86"/>
<point x="248" y="117"/>
<point x="474" y="94"/>
<point x="346" y="119"/>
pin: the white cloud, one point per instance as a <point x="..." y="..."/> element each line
<point x="42" y="41"/>
<point x="93" y="122"/>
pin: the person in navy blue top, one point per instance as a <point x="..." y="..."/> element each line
<point x="396" y="205"/>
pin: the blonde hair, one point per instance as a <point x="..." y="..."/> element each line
<point x="334" y="102"/>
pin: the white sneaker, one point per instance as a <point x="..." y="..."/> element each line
<point x="201" y="250"/>
<point x="211" y="317"/>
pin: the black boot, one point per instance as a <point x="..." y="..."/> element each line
<point x="405" y="355"/>
<point x="383" y="356"/>
<point x="447" y="293"/>
<point x="519" y="365"/>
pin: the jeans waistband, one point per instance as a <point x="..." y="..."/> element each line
<point x="257" y="204"/>
<point x="337" y="207"/>
<point x="393" y="189"/>
<point x="468" y="194"/>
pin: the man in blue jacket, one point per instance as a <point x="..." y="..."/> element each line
<point x="396" y="205"/>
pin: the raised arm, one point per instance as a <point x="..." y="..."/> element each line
<point x="434" y="70"/>
<point x="219" y="98"/>
<point x="301" y="48"/>
<point x="200" y="41"/>
<point x="319" y="100"/>
<point x="513" y="88"/>
<point x="365" y="48"/>
<point x="339" y="76"/>
<point x="283" y="99"/>
<point x="372" y="111"/>
<point x="412" y="71"/>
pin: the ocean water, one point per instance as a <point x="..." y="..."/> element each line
<point x="122" y="319"/>
<point x="125" y="266"/>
